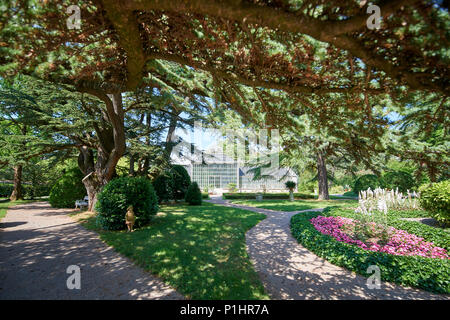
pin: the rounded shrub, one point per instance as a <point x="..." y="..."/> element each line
<point x="118" y="195"/>
<point x="398" y="179"/>
<point x="435" y="198"/>
<point x="365" y="182"/>
<point x="194" y="195"/>
<point x="164" y="186"/>
<point x="181" y="181"/>
<point x="68" y="189"/>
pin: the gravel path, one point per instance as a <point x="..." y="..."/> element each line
<point x="38" y="243"/>
<point x="290" y="271"/>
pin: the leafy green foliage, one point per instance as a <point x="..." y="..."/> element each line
<point x="181" y="181"/>
<point x="232" y="187"/>
<point x="6" y="189"/>
<point x="120" y="193"/>
<point x="425" y="273"/>
<point x="436" y="199"/>
<point x="205" y="195"/>
<point x="397" y="179"/>
<point x="68" y="189"/>
<point x="365" y="182"/>
<point x="194" y="195"/>
<point x="164" y="186"/>
<point x="290" y="185"/>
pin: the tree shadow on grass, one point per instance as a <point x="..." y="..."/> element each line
<point x="200" y="250"/>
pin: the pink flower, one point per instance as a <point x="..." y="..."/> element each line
<point x="400" y="242"/>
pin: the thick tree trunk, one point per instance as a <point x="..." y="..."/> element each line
<point x="131" y="171"/>
<point x="17" y="190"/>
<point x="432" y="173"/>
<point x="99" y="171"/>
<point x="93" y="187"/>
<point x="322" y="177"/>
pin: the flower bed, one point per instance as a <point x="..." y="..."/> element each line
<point x="415" y="271"/>
<point x="400" y="242"/>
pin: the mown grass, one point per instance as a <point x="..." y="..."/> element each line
<point x="199" y="250"/>
<point x="297" y="205"/>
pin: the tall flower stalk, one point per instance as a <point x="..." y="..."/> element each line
<point x="374" y="206"/>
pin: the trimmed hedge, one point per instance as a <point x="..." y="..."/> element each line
<point x="397" y="179"/>
<point x="269" y="196"/>
<point x="194" y="195"/>
<point x="205" y="195"/>
<point x="424" y="273"/>
<point x="118" y="194"/>
<point x="436" y="199"/>
<point x="68" y="189"/>
<point x="28" y="191"/>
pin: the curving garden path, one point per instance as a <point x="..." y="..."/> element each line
<point x="38" y="243"/>
<point x="290" y="271"/>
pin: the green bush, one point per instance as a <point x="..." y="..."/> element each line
<point x="6" y="189"/>
<point x="194" y="195"/>
<point x="365" y="182"/>
<point x="398" y="179"/>
<point x="307" y="187"/>
<point x="68" y="189"/>
<point x="181" y="181"/>
<point x="120" y="193"/>
<point x="350" y="194"/>
<point x="164" y="186"/>
<point x="424" y="273"/>
<point x="435" y="198"/>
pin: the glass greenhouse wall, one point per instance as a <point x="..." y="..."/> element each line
<point x="215" y="175"/>
<point x="219" y="176"/>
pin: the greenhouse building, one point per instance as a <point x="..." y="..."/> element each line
<point x="213" y="172"/>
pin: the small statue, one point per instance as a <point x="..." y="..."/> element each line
<point x="130" y="218"/>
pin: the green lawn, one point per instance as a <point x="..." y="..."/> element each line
<point x="297" y="205"/>
<point x="199" y="250"/>
<point x="5" y="204"/>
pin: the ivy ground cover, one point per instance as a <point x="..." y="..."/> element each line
<point x="420" y="271"/>
<point x="400" y="242"/>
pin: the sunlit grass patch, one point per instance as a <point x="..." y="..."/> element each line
<point x="297" y="205"/>
<point x="199" y="250"/>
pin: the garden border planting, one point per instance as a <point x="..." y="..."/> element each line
<point x="425" y="273"/>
